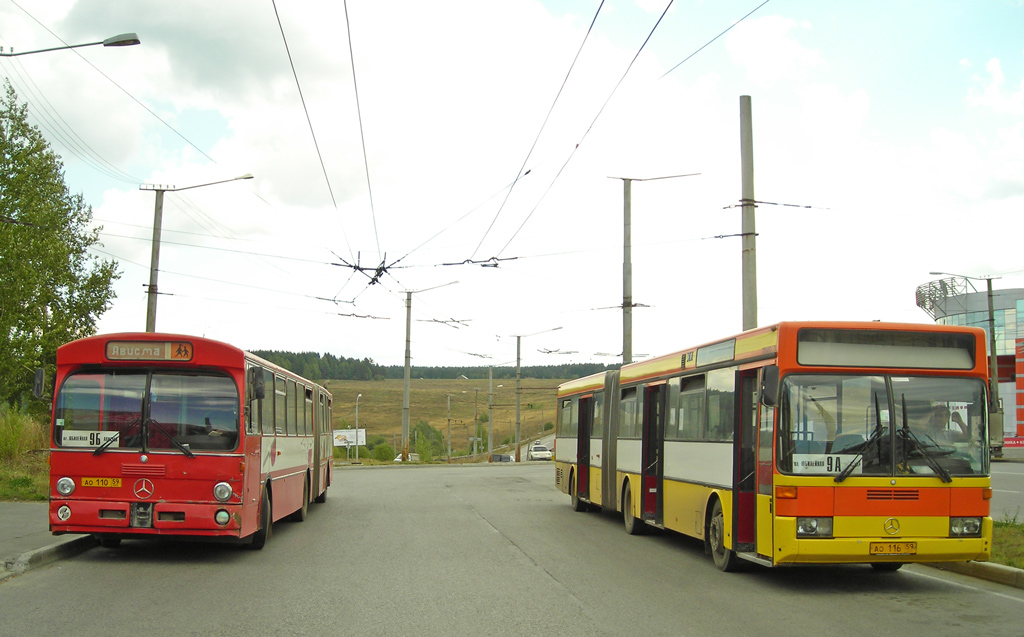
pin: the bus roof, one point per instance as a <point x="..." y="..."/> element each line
<point x="755" y="344"/>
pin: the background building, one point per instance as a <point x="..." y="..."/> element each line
<point x="956" y="301"/>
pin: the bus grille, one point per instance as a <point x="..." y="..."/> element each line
<point x="143" y="470"/>
<point x="889" y="495"/>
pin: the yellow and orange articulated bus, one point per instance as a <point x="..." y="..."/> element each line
<point x="798" y="443"/>
<point x="171" y="435"/>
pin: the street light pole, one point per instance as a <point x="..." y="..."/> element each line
<point x="154" y="260"/>
<point x="124" y="39"/>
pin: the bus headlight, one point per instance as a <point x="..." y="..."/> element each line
<point x="221" y="517"/>
<point x="814" y="527"/>
<point x="65" y="486"/>
<point x="222" y="491"/>
<point x="964" y="527"/>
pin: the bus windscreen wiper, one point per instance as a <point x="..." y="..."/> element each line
<point x="111" y="440"/>
<point x="106" y="443"/>
<point x="907" y="434"/>
<point x="183" y="448"/>
<point x="875" y="435"/>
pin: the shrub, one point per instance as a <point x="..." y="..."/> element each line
<point x="19" y="433"/>
<point x="383" y="452"/>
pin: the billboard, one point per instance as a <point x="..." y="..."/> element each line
<point x="347" y="437"/>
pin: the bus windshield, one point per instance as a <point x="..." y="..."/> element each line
<point x="147" y="409"/>
<point x="843" y="425"/>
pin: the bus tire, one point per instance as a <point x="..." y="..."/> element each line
<point x="725" y="559"/>
<point x="262" y="534"/>
<point x="300" y="514"/>
<point x="577" y="504"/>
<point x="109" y="541"/>
<point x="886" y="567"/>
<point x="322" y="496"/>
<point x="634" y="526"/>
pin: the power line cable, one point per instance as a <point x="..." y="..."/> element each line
<point x="542" y="126"/>
<point x="109" y="79"/>
<point x="708" y="43"/>
<point x="589" y="128"/>
<point x="362" y="133"/>
<point x="51" y="120"/>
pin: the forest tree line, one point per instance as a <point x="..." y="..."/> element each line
<point x="316" y="366"/>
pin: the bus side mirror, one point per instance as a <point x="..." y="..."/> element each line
<point x="259" y="389"/>
<point x="38" y="382"/>
<point x="770" y="385"/>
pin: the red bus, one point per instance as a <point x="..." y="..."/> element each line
<point x="172" y="435"/>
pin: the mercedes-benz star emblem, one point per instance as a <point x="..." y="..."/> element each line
<point x="891" y="526"/>
<point x="143" y="488"/>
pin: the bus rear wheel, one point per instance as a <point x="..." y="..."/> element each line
<point x="725" y="559"/>
<point x="302" y="511"/>
<point x="634" y="526"/>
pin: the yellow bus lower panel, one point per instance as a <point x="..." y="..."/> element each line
<point x="907" y="547"/>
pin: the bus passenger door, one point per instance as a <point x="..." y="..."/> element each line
<point x="586" y="424"/>
<point x="653" y="446"/>
<point x="765" y="473"/>
<point x="745" y="479"/>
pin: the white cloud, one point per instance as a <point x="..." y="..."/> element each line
<point x="993" y="93"/>
<point x="769" y="51"/>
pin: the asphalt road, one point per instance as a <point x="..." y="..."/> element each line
<point x="1008" y="491"/>
<point x="478" y="550"/>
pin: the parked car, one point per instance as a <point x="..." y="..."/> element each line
<point x="538" y="452"/>
<point x="413" y="457"/>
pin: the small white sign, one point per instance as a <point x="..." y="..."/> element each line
<point x="832" y="464"/>
<point x="87" y="438"/>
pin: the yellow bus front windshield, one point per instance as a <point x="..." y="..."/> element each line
<point x="847" y="425"/>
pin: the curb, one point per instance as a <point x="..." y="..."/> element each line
<point x="47" y="555"/>
<point x="998" y="573"/>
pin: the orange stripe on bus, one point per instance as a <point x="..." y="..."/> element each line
<point x="878" y="501"/>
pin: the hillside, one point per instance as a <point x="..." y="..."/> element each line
<point x="380" y="408"/>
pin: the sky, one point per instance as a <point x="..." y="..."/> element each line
<point x="451" y="142"/>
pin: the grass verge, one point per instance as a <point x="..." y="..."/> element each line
<point x="1008" y="542"/>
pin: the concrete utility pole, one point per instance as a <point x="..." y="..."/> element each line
<point x="405" y="387"/>
<point x="627" y="271"/>
<point x="749" y="237"/>
<point x="490" y="412"/>
<point x="408" y="366"/>
<point x="627" y="260"/>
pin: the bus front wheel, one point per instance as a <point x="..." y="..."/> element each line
<point x="725" y="559"/>
<point x="262" y="534"/>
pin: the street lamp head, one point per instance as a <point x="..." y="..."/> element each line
<point x="124" y="39"/>
<point x="245" y="176"/>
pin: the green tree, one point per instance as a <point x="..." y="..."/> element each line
<point x="51" y="290"/>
